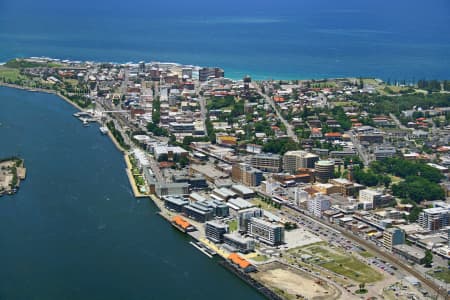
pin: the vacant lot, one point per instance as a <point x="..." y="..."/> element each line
<point x="339" y="262"/>
<point x="289" y="283"/>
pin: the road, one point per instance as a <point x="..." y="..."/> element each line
<point x="203" y="110"/>
<point x="290" y="132"/>
<point x="397" y="122"/>
<point x="365" y="157"/>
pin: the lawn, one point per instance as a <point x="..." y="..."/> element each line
<point x="264" y="205"/>
<point x="260" y="258"/>
<point x="233" y="225"/>
<point x="10" y="74"/>
<point x="341" y="263"/>
<point x="441" y="274"/>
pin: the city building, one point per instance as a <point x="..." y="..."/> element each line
<point x="245" y="215"/>
<point x="346" y="187"/>
<point x="220" y="209"/>
<point x="174" y="188"/>
<point x="199" y="211"/>
<point x="239" y="243"/>
<point x="374" y="198"/>
<point x="266" y="162"/>
<point x="204" y="74"/>
<point x="382" y="152"/>
<point x="434" y="218"/>
<point x="324" y="170"/>
<point x="175" y="202"/>
<point x="169" y="151"/>
<point x="243" y="191"/>
<point x="410" y="253"/>
<point x="239" y="204"/>
<point x="266" y="232"/>
<point x="246" y="174"/>
<point x="293" y="160"/>
<point x="318" y="204"/>
<point x="215" y="231"/>
<point x="393" y="237"/>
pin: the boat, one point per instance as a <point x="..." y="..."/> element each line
<point x="85" y="123"/>
<point x="104" y="129"/>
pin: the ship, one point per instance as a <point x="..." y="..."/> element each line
<point x="104" y="129"/>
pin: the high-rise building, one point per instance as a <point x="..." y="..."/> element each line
<point x="266" y="232"/>
<point x="319" y="204"/>
<point x="324" y="170"/>
<point x="434" y="218"/>
<point x="204" y="74"/>
<point x="245" y="174"/>
<point x="266" y="162"/>
<point x="245" y="215"/>
<point x="293" y="160"/>
<point x="393" y="237"/>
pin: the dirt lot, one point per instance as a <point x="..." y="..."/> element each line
<point x="289" y="283"/>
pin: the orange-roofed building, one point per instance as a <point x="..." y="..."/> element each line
<point x="182" y="224"/>
<point x="278" y="99"/>
<point x="242" y="263"/>
<point x="333" y="136"/>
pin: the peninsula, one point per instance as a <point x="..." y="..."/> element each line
<point x="317" y="189"/>
<point x="12" y="171"/>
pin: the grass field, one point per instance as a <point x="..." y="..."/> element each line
<point x="10" y="74"/>
<point x="441" y="274"/>
<point x="233" y="225"/>
<point x="260" y="258"/>
<point x="341" y="263"/>
<point x="258" y="202"/>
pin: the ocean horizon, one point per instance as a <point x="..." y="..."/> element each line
<point x="405" y="40"/>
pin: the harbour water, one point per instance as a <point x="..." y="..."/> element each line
<point x="74" y="230"/>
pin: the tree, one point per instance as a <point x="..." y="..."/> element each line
<point x="428" y="260"/>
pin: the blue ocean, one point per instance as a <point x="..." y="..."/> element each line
<point x="406" y="40"/>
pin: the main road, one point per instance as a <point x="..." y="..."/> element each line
<point x="290" y="132"/>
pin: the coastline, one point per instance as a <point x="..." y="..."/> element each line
<point x="39" y="90"/>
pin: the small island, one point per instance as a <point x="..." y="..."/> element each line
<point x="12" y="171"/>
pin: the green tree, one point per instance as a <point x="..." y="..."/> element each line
<point x="428" y="260"/>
